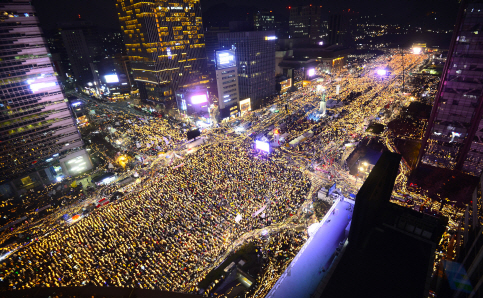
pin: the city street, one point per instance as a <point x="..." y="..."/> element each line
<point x="195" y="195"/>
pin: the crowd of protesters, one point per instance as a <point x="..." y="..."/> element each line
<point x="165" y="236"/>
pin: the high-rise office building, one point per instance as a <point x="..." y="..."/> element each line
<point x="82" y="44"/>
<point x="165" y="44"/>
<point x="211" y="41"/>
<point x="305" y="22"/>
<point x="264" y="20"/>
<point x="36" y="125"/>
<point x="340" y="28"/>
<point x="227" y="83"/>
<point x="454" y="137"/>
<point x="255" y="59"/>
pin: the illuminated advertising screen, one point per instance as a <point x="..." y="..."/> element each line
<point x="245" y="106"/>
<point x="200" y="98"/>
<point x="77" y="165"/>
<point x="38" y="86"/>
<point x="111" y="78"/>
<point x="286" y="84"/>
<point x="225" y="59"/>
<point x="381" y="72"/>
<point x="311" y="72"/>
<point x="264" y="146"/>
<point x="417" y="50"/>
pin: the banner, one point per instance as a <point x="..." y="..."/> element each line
<point x="259" y="211"/>
<point x="180" y="165"/>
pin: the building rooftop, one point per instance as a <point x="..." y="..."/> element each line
<point x="392" y="264"/>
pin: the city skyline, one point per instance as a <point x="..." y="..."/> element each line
<point x="402" y="11"/>
<point x="216" y="148"/>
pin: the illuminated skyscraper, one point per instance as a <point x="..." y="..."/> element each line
<point x="454" y="137"/>
<point x="255" y="60"/>
<point x="165" y="44"/>
<point x="227" y="83"/>
<point x="37" y="130"/>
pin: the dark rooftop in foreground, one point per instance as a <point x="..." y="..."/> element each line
<point x="390" y="250"/>
<point x="394" y="262"/>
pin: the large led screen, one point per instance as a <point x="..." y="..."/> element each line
<point x="197" y="99"/>
<point x="264" y="146"/>
<point x="225" y="59"/>
<point x="111" y="78"/>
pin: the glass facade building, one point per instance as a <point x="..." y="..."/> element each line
<point x="255" y="60"/>
<point x="305" y="22"/>
<point x="36" y="125"/>
<point x="165" y="44"/>
<point x="454" y="137"/>
<point x="341" y="27"/>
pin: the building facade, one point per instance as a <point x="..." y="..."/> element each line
<point x="227" y="83"/>
<point x="165" y="44"/>
<point x="462" y="276"/>
<point x="36" y="125"/>
<point x="255" y="59"/>
<point x="305" y="22"/>
<point x="454" y="137"/>
<point x="82" y="44"/>
<point x="340" y="28"/>
<point x="211" y="41"/>
<point x="264" y="21"/>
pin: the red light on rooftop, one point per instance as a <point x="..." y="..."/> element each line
<point x="289" y="7"/>
<point x="79" y="16"/>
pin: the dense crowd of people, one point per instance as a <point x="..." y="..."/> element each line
<point x="165" y="236"/>
<point x="167" y="231"/>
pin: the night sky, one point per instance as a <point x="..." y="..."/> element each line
<point x="102" y="12"/>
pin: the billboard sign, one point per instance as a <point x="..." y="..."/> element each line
<point x="225" y="59"/>
<point x="264" y="146"/>
<point x="199" y="98"/>
<point x="245" y="105"/>
<point x="286" y="84"/>
<point x="111" y="78"/>
<point x="381" y="72"/>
